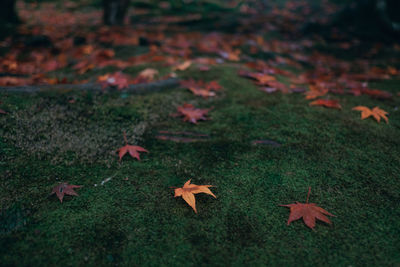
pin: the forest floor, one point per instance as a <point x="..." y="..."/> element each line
<point x="259" y="148"/>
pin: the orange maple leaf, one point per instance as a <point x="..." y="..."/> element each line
<point x="315" y="92"/>
<point x="376" y="112"/>
<point x="201" y="92"/>
<point x="149" y="73"/>
<point x="188" y="190"/>
<point x="64" y="189"/>
<point x="308" y="211"/>
<point x="326" y="103"/>
<point x="183" y="66"/>
<point x="133" y="150"/>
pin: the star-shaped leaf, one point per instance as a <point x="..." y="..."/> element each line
<point x="376" y="113"/>
<point x="192" y="114"/>
<point x="133" y="150"/>
<point x="308" y="211"/>
<point x="188" y="190"/>
<point x="64" y="189"/>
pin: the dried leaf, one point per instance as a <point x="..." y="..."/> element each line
<point x="308" y="211"/>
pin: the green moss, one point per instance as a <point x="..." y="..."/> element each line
<point x="352" y="166"/>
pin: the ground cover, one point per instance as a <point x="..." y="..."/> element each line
<point x="351" y="165"/>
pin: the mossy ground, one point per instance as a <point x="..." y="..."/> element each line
<point x="352" y="166"/>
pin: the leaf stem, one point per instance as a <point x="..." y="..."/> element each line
<point x="126" y="140"/>
<point x="308" y="195"/>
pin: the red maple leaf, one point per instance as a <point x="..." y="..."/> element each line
<point x="192" y="114"/>
<point x="64" y="189"/>
<point x="117" y="79"/>
<point x="326" y="103"/>
<point x="133" y="150"/>
<point x="308" y="211"/>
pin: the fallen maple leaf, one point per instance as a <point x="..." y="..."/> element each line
<point x="376" y="93"/>
<point x="201" y="92"/>
<point x="188" y="190"/>
<point x="149" y="73"/>
<point x="376" y="112"/>
<point x="117" y="79"/>
<point x="192" y="114"/>
<point x="315" y="92"/>
<point x="326" y="103"/>
<point x="183" y="66"/>
<point x="133" y="150"/>
<point x="64" y="189"/>
<point x="308" y="211"/>
<point x="214" y="86"/>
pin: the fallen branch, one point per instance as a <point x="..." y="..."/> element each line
<point x="134" y="88"/>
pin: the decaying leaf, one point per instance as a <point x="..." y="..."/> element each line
<point x="133" y="150"/>
<point x="188" y="190"/>
<point x="192" y="114"/>
<point x="376" y="113"/>
<point x="326" y="103"/>
<point x="64" y="189"/>
<point x="308" y="211"/>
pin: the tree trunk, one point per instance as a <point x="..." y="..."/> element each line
<point x="114" y="11"/>
<point x="8" y="13"/>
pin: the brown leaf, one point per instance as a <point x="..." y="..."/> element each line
<point x="308" y="211"/>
